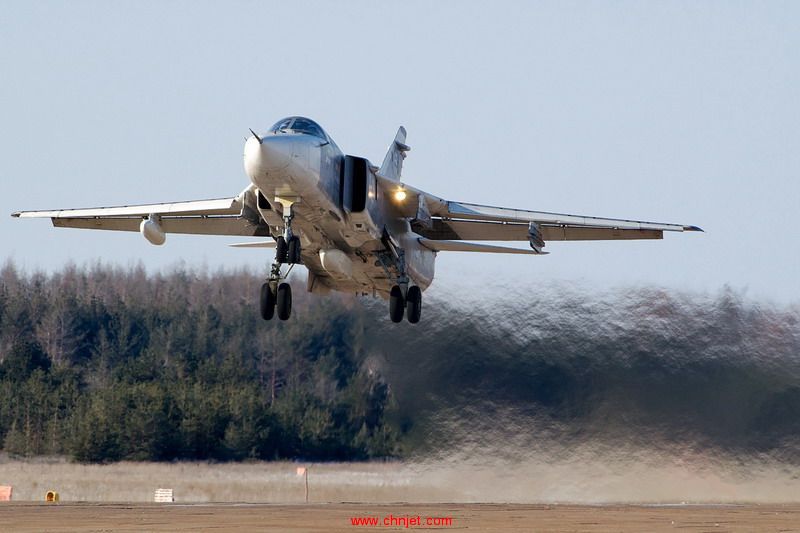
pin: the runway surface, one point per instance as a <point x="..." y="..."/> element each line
<point x="340" y="516"/>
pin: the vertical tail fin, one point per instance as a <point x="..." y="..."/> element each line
<point x="393" y="162"/>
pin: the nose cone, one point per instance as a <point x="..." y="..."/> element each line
<point x="272" y="154"/>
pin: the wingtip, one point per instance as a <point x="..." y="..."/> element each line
<point x="693" y="228"/>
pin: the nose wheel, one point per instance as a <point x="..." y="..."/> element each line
<point x="284" y="301"/>
<point x="275" y="296"/>
<point x="267" y="302"/>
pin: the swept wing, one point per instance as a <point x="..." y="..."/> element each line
<point x="437" y="219"/>
<point x="222" y="216"/>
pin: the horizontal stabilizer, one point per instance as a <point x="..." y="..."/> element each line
<point x="462" y="246"/>
<point x="258" y="244"/>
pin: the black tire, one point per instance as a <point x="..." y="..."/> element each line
<point x="294" y="250"/>
<point x="414" y="304"/>
<point x="284" y="301"/>
<point x="267" y="302"/>
<point x="396" y="304"/>
<point x="281" y="250"/>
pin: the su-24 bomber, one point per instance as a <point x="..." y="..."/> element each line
<point x="355" y="227"/>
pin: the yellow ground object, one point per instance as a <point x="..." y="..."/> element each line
<point x="51" y="496"/>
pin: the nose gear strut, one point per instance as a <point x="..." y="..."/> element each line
<point x="275" y="292"/>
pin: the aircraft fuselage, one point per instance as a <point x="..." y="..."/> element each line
<point x="343" y="245"/>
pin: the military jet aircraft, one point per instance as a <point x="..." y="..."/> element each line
<point x="356" y="227"/>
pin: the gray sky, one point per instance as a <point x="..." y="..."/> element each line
<point x="671" y="112"/>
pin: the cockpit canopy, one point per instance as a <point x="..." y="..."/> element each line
<point x="298" y="125"/>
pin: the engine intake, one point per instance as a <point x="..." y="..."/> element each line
<point x="354" y="184"/>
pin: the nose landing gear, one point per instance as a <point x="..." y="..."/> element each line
<point x="274" y="292"/>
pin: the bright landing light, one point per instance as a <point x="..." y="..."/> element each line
<point x="400" y="195"/>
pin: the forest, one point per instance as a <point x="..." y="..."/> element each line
<point x="105" y="364"/>
<point x="101" y="363"/>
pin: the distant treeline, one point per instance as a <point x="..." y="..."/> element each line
<point x="104" y="364"/>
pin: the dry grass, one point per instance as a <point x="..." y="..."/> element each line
<point x="446" y="481"/>
<point x="275" y="482"/>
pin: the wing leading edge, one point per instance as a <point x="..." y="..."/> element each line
<point x="220" y="206"/>
<point x="222" y="216"/>
<point x="501" y="214"/>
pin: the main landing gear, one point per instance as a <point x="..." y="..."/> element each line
<point x="276" y="293"/>
<point x="410" y="304"/>
<point x="402" y="298"/>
